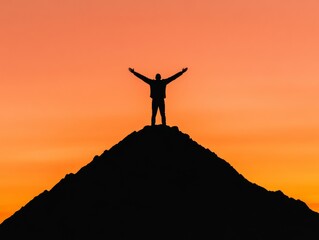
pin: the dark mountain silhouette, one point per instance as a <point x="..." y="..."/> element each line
<point x="158" y="183"/>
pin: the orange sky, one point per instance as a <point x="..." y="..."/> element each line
<point x="250" y="94"/>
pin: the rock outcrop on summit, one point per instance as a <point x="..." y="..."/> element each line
<point x="158" y="183"/>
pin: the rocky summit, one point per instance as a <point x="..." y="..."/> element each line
<point x="158" y="183"/>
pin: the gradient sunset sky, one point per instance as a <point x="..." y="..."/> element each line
<point x="250" y="93"/>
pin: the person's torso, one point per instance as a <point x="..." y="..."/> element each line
<point x="158" y="89"/>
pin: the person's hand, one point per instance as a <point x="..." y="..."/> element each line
<point x="184" y="70"/>
<point x="131" y="70"/>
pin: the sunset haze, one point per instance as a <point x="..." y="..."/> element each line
<point x="250" y="93"/>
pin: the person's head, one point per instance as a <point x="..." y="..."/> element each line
<point x="158" y="76"/>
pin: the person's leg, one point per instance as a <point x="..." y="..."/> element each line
<point x="154" y="111"/>
<point x="162" y="110"/>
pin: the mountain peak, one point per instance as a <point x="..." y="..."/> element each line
<point x="159" y="183"/>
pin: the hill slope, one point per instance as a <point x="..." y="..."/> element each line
<point x="158" y="183"/>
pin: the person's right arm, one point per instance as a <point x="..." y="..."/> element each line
<point x="140" y="76"/>
<point x="168" y="80"/>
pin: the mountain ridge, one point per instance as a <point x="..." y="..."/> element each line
<point x="158" y="182"/>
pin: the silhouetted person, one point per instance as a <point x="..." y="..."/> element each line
<point x="158" y="92"/>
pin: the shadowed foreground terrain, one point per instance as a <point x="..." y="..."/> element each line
<point x="158" y="183"/>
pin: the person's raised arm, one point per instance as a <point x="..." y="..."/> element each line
<point x="168" y="80"/>
<point x="140" y="76"/>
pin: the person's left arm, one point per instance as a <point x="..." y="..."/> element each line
<point x="140" y="76"/>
